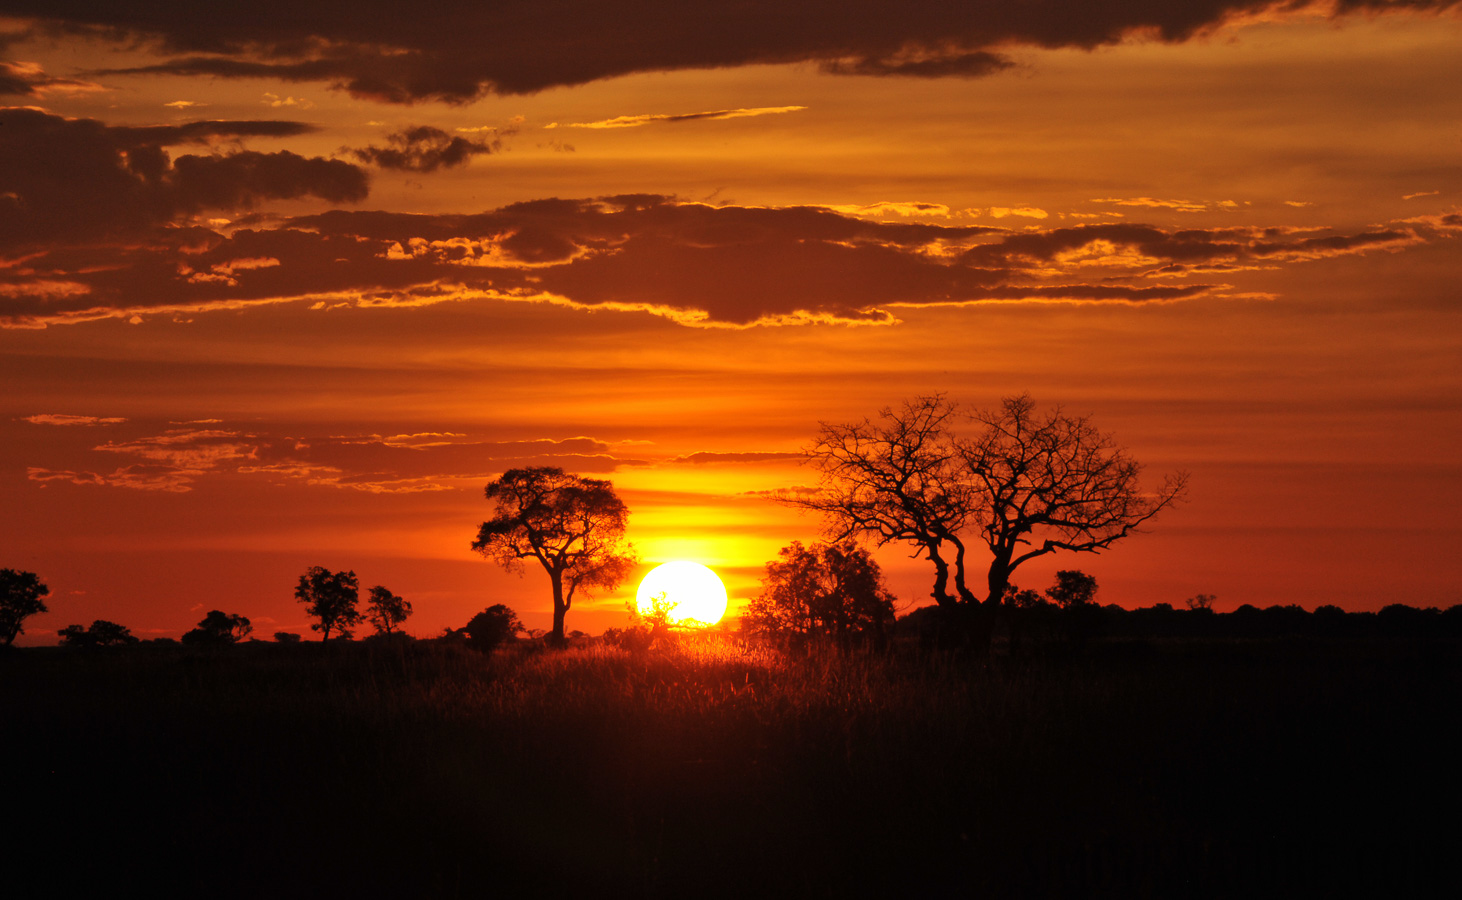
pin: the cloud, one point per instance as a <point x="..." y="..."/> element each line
<point x="424" y="149"/>
<point x="29" y="79"/>
<point x="176" y="459"/>
<point x="66" y="180"/>
<point x="704" y="457"/>
<point x="64" y="419"/>
<point x="698" y="265"/>
<point x="636" y="121"/>
<point x="457" y="50"/>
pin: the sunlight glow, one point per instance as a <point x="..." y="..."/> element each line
<point x="697" y="593"/>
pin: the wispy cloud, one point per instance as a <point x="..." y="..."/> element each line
<point x="637" y="121"/>
<point x="64" y="419"/>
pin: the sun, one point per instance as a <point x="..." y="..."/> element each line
<point x="697" y="592"/>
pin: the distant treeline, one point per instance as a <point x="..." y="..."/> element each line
<point x="1088" y="621"/>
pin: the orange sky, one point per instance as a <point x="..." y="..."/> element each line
<point x="282" y="295"/>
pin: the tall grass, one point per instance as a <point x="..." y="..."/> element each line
<point x="710" y="767"/>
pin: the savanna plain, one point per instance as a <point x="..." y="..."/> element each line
<point x="1232" y="764"/>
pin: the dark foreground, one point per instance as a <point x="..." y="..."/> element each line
<point x="1177" y="768"/>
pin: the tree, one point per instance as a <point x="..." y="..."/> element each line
<point x="573" y="526"/>
<point x="1202" y="602"/>
<point x="829" y="590"/>
<point x="1072" y="589"/>
<point x="101" y="634"/>
<point x="1020" y="483"/>
<point x="492" y="627"/>
<point x="20" y="597"/>
<point x="386" y="611"/>
<point x="332" y="597"/>
<point x="219" y="629"/>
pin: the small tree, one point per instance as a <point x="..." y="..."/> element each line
<point x="492" y="627"/>
<point x="219" y="629"/>
<point x="20" y="597"/>
<point x="331" y="598"/>
<point x="1072" y="589"/>
<point x="831" y="590"/>
<point x="573" y="526"/>
<point x="1202" y="602"/>
<point x="286" y="637"/>
<point x="101" y="634"/>
<point x="386" y="611"/>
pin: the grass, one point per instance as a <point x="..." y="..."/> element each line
<point x="1143" y="768"/>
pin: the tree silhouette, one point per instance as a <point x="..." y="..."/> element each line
<point x="1023" y="484"/>
<point x="831" y="590"/>
<point x="101" y="634"/>
<point x="331" y="598"/>
<point x="386" y="611"/>
<point x="573" y="526"/>
<point x="492" y="627"/>
<point x="218" y="629"/>
<point x="1072" y="589"/>
<point x="20" y="597"/>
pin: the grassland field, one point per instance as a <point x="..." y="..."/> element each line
<point x="710" y="768"/>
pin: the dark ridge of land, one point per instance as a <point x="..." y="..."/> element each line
<point x="1160" y="767"/>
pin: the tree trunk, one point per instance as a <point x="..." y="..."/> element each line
<point x="560" y="608"/>
<point x="941" y="579"/>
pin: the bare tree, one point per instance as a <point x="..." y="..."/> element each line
<point x="1021" y="483"/>
<point x="573" y="526"/>
<point x="386" y="611"/>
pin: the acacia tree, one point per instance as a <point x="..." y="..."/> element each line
<point x="332" y="597"/>
<point x="573" y="526"/>
<point x="831" y="590"/>
<point x="386" y="611"/>
<point x="21" y="596"/>
<point x="1020" y="483"/>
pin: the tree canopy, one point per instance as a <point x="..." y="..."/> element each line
<point x="572" y="526"/>
<point x="829" y="590"/>
<point x="21" y="596"/>
<point x="101" y="634"/>
<point x="386" y="611"/>
<point x="219" y="628"/>
<point x="1019" y="482"/>
<point x="331" y="598"/>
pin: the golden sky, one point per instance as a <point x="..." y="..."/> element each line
<point x="286" y="286"/>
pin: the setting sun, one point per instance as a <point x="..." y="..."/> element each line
<point x="696" y="592"/>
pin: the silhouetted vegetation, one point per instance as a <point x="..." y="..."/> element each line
<point x="1274" y="766"/>
<point x="331" y="598"/>
<point x="1022" y="484"/>
<point x="21" y="596"/>
<point x="833" y="591"/>
<point x="572" y="526"/>
<point x="492" y="628"/>
<point x="386" y="611"/>
<point x="101" y="633"/>
<point x="219" y="629"/>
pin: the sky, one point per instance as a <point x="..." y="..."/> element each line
<point x="287" y="285"/>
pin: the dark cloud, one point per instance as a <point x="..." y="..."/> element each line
<point x="424" y="149"/>
<point x="457" y="50"/>
<point x="64" y="180"/>
<point x="28" y="79"/>
<point x="692" y="263"/>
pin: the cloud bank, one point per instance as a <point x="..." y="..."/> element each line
<point x="458" y="50"/>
